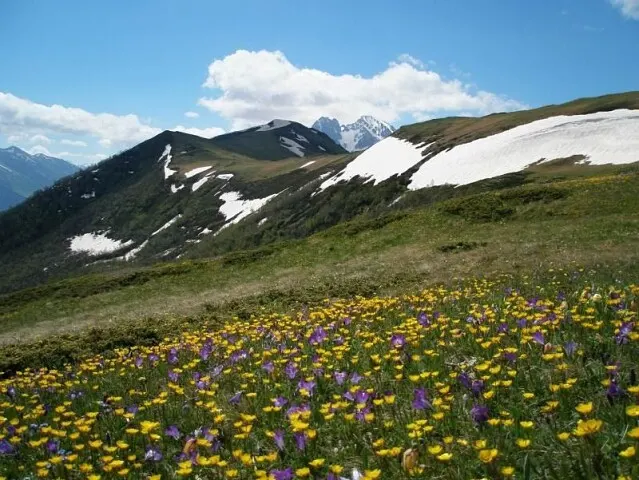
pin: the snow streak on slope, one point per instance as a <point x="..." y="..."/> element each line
<point x="201" y="182"/>
<point x="293" y="146"/>
<point x="196" y="171"/>
<point x="132" y="254"/>
<point x="307" y="164"/>
<point x="602" y="137"/>
<point x="96" y="244"/>
<point x="235" y="209"/>
<point x="167" y="224"/>
<point x="389" y="157"/>
<point x="167" y="155"/>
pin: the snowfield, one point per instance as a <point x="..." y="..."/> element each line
<point x="235" y="208"/>
<point x="273" y="124"/>
<point x="293" y="146"/>
<point x="197" y="171"/>
<point x="167" y="156"/>
<point x="96" y="243"/>
<point x="389" y="157"/>
<point x="602" y="137"/>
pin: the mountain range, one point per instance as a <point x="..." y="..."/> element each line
<point x="181" y="196"/>
<point x="356" y="136"/>
<point x="21" y="174"/>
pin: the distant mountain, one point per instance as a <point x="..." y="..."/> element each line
<point x="277" y="140"/>
<point x="360" y="135"/>
<point x="21" y="174"/>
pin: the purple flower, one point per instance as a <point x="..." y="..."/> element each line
<point x="300" y="440"/>
<point x="280" y="401"/>
<point x="479" y="413"/>
<point x="216" y="371"/>
<point x="278" y="438"/>
<point x="477" y="387"/>
<point x="318" y="336"/>
<point x="308" y="386"/>
<point x="6" y="448"/>
<point x="153" y="454"/>
<point x="361" y="414"/>
<point x="361" y="396"/>
<point x="11" y="391"/>
<point x="340" y="377"/>
<point x="624" y="331"/>
<point x="173" y="432"/>
<point x="356" y="378"/>
<point x="133" y="409"/>
<point x="521" y="323"/>
<point x="53" y="446"/>
<point x="235" y="399"/>
<point x="614" y="391"/>
<point x="290" y="370"/>
<point x="503" y="328"/>
<point x="172" y="356"/>
<point x="423" y="319"/>
<point x="398" y="340"/>
<point x="420" y="399"/>
<point x="286" y="474"/>
<point x="347" y="321"/>
<point x="538" y="337"/>
<point x="465" y="380"/>
<point x="510" y="357"/>
<point x="173" y="376"/>
<point x="570" y="348"/>
<point x="268" y="367"/>
<point x="138" y="362"/>
<point x="153" y="357"/>
<point x="205" y="352"/>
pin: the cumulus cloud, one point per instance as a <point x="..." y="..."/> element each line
<point x="191" y="114"/>
<point x="629" y="8"/>
<point x="200" y="132"/>
<point x="85" y="157"/>
<point x="255" y="87"/>
<point x="40" y="139"/>
<point x="16" y="113"/>
<point x="73" y="143"/>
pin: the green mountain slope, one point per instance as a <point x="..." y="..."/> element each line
<point x="178" y="196"/>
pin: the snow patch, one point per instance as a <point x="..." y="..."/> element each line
<point x="602" y="137"/>
<point x="321" y="148"/>
<point x="131" y="254"/>
<point x="308" y="164"/>
<point x="225" y="176"/>
<point x="205" y="231"/>
<point x="167" y="224"/>
<point x="96" y="243"/>
<point x="197" y="171"/>
<point x="273" y="124"/>
<point x="88" y="195"/>
<point x="293" y="146"/>
<point x="300" y="138"/>
<point x="175" y="189"/>
<point x="167" y="155"/>
<point x="200" y="182"/>
<point x="235" y="208"/>
<point x="262" y="222"/>
<point x="380" y="162"/>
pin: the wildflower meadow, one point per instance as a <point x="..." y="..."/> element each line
<point x="471" y="380"/>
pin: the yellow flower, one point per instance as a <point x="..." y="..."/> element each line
<point x="507" y="471"/>
<point x="523" y="442"/>
<point x="527" y="424"/>
<point x="563" y="436"/>
<point x="587" y="427"/>
<point x="336" y="469"/>
<point x="155" y="477"/>
<point x="634" y="433"/>
<point x="628" y="452"/>
<point x="318" y="462"/>
<point x="488" y="455"/>
<point x="435" y="449"/>
<point x="372" y="474"/>
<point x="632" y="411"/>
<point x="584" y="408"/>
<point x="231" y="473"/>
<point x="445" y="457"/>
<point x="303" y="472"/>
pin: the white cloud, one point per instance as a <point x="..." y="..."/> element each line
<point x="39" y="149"/>
<point x="629" y="8"/>
<point x="105" y="142"/>
<point x="19" y="114"/>
<point x="73" y="143"/>
<point x="200" y="132"/>
<point x="82" y="158"/>
<point x="255" y="87"/>
<point x="40" y="139"/>
<point x="191" y="114"/>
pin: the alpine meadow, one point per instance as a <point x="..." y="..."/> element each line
<point x="327" y="269"/>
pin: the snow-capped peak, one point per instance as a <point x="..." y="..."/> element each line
<point x="359" y="135"/>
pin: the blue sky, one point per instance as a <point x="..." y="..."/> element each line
<point x="121" y="71"/>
